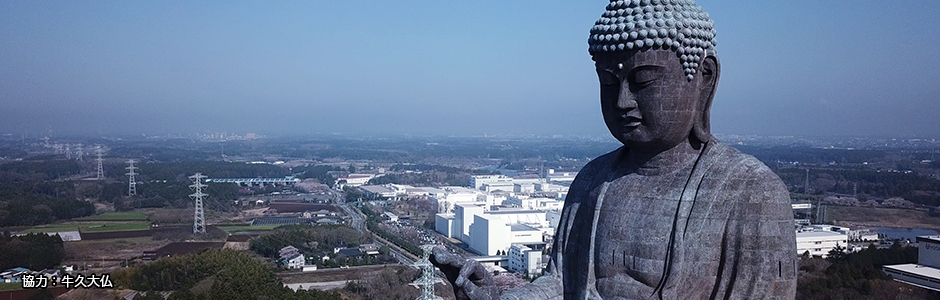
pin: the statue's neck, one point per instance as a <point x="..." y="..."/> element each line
<point x="662" y="162"/>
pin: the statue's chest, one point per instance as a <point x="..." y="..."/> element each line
<point x="635" y="220"/>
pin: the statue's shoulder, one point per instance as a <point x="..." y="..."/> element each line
<point x="743" y="171"/>
<point x="600" y="164"/>
<point x="586" y="179"/>
<point x="736" y="162"/>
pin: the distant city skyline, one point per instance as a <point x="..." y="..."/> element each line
<point x="444" y="68"/>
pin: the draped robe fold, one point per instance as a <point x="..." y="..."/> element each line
<point x="733" y="236"/>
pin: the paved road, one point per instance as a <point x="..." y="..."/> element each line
<point x="323" y="286"/>
<point x="358" y="222"/>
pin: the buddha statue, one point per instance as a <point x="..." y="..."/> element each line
<point x="673" y="213"/>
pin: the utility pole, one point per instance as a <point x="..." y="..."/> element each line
<point x="100" y="160"/>
<point x="199" y="220"/>
<point x="806" y="184"/>
<point x="426" y="282"/>
<point x="131" y="182"/>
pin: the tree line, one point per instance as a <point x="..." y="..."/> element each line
<point x="856" y="275"/>
<point x="34" y="251"/>
<point x="914" y="187"/>
<point x="31" y="202"/>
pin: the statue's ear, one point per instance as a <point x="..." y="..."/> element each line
<point x="709" y="72"/>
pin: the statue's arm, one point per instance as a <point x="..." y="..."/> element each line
<point x="546" y="287"/>
<point x="764" y="240"/>
<point x="550" y="284"/>
<point x="468" y="277"/>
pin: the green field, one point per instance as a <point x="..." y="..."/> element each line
<point x="90" y="227"/>
<point x="129" y="226"/>
<point x="52" y="228"/>
<point x="10" y="286"/>
<point x="234" y="229"/>
<point x="115" y="216"/>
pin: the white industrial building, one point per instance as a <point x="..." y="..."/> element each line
<point x="819" y="243"/>
<point x="560" y="176"/>
<point x="378" y="192"/>
<point x="926" y="272"/>
<point x="802" y="205"/>
<point x="488" y="234"/>
<point x="444" y="224"/>
<point x="454" y="194"/>
<point x="855" y="235"/>
<point x="523" y="187"/>
<point x="863" y="235"/>
<point x="493" y="187"/>
<point x="478" y="181"/>
<point x="535" y="218"/>
<point x="524" y="259"/>
<point x="523" y="184"/>
<point x="354" y="179"/>
<point x="533" y="203"/>
<point x="490" y="231"/>
<point x="551" y="187"/>
<point x="522" y="201"/>
<point x="463" y="217"/>
<point x="400" y="191"/>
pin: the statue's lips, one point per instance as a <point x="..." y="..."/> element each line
<point x="630" y="122"/>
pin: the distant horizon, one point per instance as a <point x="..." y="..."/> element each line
<point x="445" y="68"/>
<point x="263" y="135"/>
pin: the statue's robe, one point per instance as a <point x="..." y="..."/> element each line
<point x="730" y="235"/>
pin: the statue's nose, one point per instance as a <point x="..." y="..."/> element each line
<point x="627" y="99"/>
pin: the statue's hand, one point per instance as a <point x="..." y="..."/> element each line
<point x="469" y="278"/>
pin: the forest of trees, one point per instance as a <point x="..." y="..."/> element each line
<point x="31" y="195"/>
<point x="856" y="275"/>
<point x="28" y="196"/>
<point x="914" y="187"/>
<point x="810" y="155"/>
<point x="35" y="251"/>
<point x="319" y="172"/>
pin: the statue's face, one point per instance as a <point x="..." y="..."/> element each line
<point x="647" y="101"/>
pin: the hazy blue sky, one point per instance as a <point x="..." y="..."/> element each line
<point x="445" y="67"/>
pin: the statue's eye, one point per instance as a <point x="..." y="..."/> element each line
<point x="646" y="75"/>
<point x="607" y="78"/>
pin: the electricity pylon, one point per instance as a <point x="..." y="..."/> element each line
<point x="199" y="219"/>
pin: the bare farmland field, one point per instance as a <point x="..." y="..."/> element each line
<point x="881" y="217"/>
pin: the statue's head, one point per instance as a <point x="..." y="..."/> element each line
<point x="658" y="71"/>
